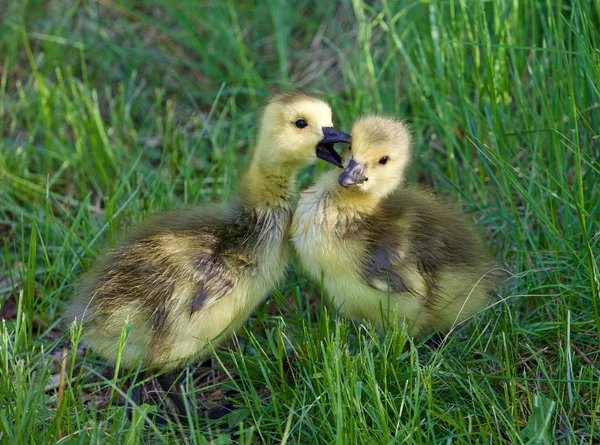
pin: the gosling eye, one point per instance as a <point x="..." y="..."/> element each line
<point x="349" y="147"/>
<point x="301" y="123"/>
<point x="384" y="160"/>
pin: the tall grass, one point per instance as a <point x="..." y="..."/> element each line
<point x="114" y="109"/>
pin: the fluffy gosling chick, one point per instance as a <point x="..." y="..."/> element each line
<point x="386" y="252"/>
<point x="188" y="278"/>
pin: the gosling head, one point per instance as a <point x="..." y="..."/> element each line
<point x="296" y="129"/>
<point x="378" y="156"/>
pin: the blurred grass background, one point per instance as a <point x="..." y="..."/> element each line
<point x="113" y="109"/>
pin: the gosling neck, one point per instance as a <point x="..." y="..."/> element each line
<point x="268" y="184"/>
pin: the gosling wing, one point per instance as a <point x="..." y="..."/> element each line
<point x="203" y="248"/>
<point x="177" y="259"/>
<point x="411" y="239"/>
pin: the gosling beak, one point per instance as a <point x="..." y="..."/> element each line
<point x="354" y="174"/>
<point x="325" y="148"/>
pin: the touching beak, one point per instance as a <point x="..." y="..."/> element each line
<point x="325" y="148"/>
<point x="354" y="174"/>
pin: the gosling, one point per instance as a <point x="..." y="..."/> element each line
<point x="388" y="253"/>
<point x="189" y="278"/>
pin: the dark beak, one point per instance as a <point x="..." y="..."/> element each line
<point x="354" y="174"/>
<point x="325" y="148"/>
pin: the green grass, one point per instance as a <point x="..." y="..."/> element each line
<point x="114" y="109"/>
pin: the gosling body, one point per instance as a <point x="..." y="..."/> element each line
<point x="388" y="253"/>
<point x="188" y="278"/>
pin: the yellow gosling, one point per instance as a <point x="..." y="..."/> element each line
<point x="188" y="278"/>
<point x="388" y="252"/>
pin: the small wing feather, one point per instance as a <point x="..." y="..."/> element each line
<point x="215" y="277"/>
<point x="380" y="272"/>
